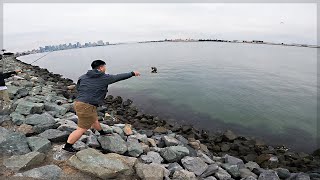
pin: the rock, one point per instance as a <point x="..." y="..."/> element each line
<point x="61" y="155"/>
<point x="149" y="171"/>
<point x="225" y="147"/>
<point x="194" y="164"/>
<point x="152" y="142"/>
<point x="210" y="178"/>
<point x="211" y="170"/>
<point x="17" y="118"/>
<point x="141" y="137"/>
<point x="272" y="162"/>
<point x="104" y="166"/>
<point x="49" y="172"/>
<point x="26" y="108"/>
<point x="262" y="158"/>
<point x="152" y="157"/>
<point x="233" y="160"/>
<point x="54" y="107"/>
<point x="204" y="157"/>
<point x="39" y="144"/>
<point x="79" y="145"/>
<point x="118" y="130"/>
<point x="12" y="143"/>
<point x="55" y="135"/>
<point x="268" y="175"/>
<point x="182" y="139"/>
<point x="113" y="143"/>
<point x="174" y="167"/>
<point x="127" y="130"/>
<point x="174" y="153"/>
<point x="229" y="135"/>
<point x="37" y="119"/>
<point x="299" y="176"/>
<point x="221" y="174"/>
<point x="170" y="141"/>
<point x="258" y="171"/>
<point x="92" y="141"/>
<point x="244" y="173"/>
<point x="249" y="178"/>
<point x="71" y="87"/>
<point x="232" y="169"/>
<point x="25" y="129"/>
<point x="183" y="175"/>
<point x="160" y="130"/>
<point x="251" y="165"/>
<point x="283" y="173"/>
<point x="21" y="162"/>
<point x="67" y="125"/>
<point x="134" y="148"/>
<point x="42" y="127"/>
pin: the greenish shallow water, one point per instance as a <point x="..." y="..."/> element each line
<point x="256" y="90"/>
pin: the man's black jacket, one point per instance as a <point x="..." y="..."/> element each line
<point x="4" y="76"/>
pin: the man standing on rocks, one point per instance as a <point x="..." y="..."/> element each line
<point x="92" y="88"/>
<point x="4" y="96"/>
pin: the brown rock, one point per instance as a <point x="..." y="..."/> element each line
<point x="25" y="129"/>
<point x="127" y="130"/>
<point x="263" y="157"/>
<point x="160" y="129"/>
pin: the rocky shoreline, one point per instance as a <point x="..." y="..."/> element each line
<point x="142" y="146"/>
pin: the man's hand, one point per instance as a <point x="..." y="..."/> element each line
<point x="18" y="70"/>
<point x="136" y="73"/>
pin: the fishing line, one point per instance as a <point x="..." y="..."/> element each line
<point x="41" y="57"/>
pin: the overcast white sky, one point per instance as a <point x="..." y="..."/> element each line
<point x="28" y="26"/>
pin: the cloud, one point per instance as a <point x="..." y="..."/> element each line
<point x="28" y="26"/>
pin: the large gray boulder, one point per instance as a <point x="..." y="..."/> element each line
<point x="151" y="171"/>
<point x="233" y="160"/>
<point x="104" y="166"/>
<point x="54" y="107"/>
<point x="170" y="141"/>
<point x="17" y="118"/>
<point x="55" y="135"/>
<point x="67" y="125"/>
<point x="134" y="148"/>
<point x="113" y="143"/>
<point x="211" y="170"/>
<point x="12" y="143"/>
<point x="152" y="157"/>
<point x="174" y="153"/>
<point x="49" y="172"/>
<point x="268" y="175"/>
<point x="37" y="119"/>
<point x="39" y="144"/>
<point x="92" y="141"/>
<point x="27" y="107"/>
<point x="232" y="169"/>
<point x="194" y="164"/>
<point x="222" y="174"/>
<point x="21" y="162"/>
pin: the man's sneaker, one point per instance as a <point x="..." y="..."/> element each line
<point x="70" y="149"/>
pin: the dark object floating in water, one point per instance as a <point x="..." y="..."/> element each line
<point x="154" y="70"/>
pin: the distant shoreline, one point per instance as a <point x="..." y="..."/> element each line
<point x="177" y="40"/>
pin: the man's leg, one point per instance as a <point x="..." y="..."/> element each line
<point x="97" y="126"/>
<point x="74" y="137"/>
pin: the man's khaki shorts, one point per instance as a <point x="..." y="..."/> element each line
<point x="87" y="114"/>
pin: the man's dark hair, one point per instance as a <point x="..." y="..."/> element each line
<point x="97" y="63"/>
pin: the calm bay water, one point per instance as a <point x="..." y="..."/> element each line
<point x="256" y="90"/>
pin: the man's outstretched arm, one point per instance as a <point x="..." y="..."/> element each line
<point x="123" y="76"/>
<point x="9" y="74"/>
